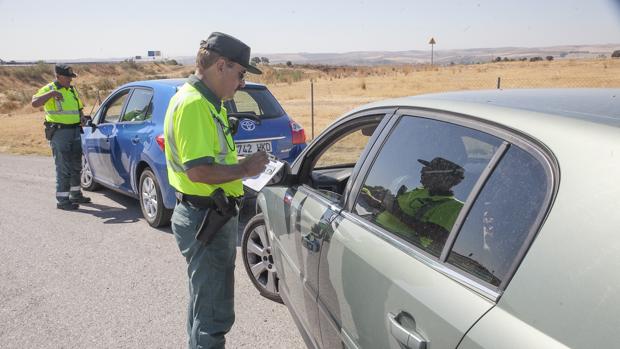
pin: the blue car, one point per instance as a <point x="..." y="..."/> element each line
<point x="123" y="145"/>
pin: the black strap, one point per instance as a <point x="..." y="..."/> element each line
<point x="202" y="202"/>
<point x="59" y="125"/>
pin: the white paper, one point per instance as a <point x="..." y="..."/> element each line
<point x="257" y="182"/>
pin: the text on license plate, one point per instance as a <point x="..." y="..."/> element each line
<point x="250" y="148"/>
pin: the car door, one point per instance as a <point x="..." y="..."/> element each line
<point x="309" y="207"/>
<point x="133" y="132"/>
<point x="101" y="142"/>
<point x="383" y="280"/>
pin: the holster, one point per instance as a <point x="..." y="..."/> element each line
<point x="50" y="129"/>
<point x="222" y="210"/>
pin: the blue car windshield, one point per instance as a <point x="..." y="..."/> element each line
<point x="255" y="101"/>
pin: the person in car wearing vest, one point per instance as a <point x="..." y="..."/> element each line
<point x="425" y="215"/>
<point x="202" y="164"/>
<point x="63" y="115"/>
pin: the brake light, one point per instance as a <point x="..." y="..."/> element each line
<point x="299" y="135"/>
<point x="161" y="142"/>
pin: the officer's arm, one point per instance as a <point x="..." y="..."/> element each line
<point x="217" y="174"/>
<point x="38" y="101"/>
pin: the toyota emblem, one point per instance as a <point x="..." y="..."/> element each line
<point x="248" y="125"/>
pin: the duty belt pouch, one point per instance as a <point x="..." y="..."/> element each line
<point x="49" y="130"/>
<point x="215" y="218"/>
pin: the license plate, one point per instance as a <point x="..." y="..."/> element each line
<point x="250" y="148"/>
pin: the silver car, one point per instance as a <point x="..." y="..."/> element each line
<point x="485" y="219"/>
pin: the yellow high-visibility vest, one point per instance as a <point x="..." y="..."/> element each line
<point x="66" y="111"/>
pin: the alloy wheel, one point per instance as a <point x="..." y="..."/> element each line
<point x="260" y="260"/>
<point x="149" y="197"/>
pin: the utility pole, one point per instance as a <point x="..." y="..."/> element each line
<point x="432" y="43"/>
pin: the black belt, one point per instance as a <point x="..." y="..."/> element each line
<point x="59" y="126"/>
<point x="202" y="202"/>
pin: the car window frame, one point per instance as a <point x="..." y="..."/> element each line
<point x="508" y="136"/>
<point x="105" y="105"/>
<point x="301" y="169"/>
<point x="124" y="109"/>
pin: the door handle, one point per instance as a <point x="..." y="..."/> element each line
<point x="135" y="140"/>
<point x="408" y="338"/>
<point x="310" y="244"/>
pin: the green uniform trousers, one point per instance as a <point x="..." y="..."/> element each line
<point x="67" y="150"/>
<point x="210" y="269"/>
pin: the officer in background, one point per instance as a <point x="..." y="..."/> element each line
<point x="202" y="162"/>
<point x="63" y="114"/>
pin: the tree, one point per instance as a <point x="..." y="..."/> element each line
<point x="255" y="60"/>
<point x="264" y="60"/>
<point x="536" y="59"/>
<point x="498" y="59"/>
<point x="289" y="63"/>
<point x="549" y="58"/>
<point x="615" y="54"/>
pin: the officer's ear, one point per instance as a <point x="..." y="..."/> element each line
<point x="220" y="64"/>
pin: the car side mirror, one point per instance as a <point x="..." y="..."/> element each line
<point x="283" y="177"/>
<point x="89" y="123"/>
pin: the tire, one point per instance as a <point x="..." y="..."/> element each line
<point x="87" y="181"/>
<point x="258" y="259"/>
<point x="151" y="200"/>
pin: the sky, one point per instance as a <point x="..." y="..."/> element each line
<point x="62" y="29"/>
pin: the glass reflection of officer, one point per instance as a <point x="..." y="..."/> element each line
<point x="202" y="163"/>
<point x="63" y="114"/>
<point x="426" y="214"/>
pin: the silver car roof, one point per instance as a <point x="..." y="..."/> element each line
<point x="595" y="105"/>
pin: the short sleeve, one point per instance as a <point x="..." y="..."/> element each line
<point x="42" y="90"/>
<point x="195" y="134"/>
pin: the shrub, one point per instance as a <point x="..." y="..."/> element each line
<point x="615" y="54"/>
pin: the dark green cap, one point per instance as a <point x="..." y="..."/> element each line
<point x="231" y="48"/>
<point x="64" y="70"/>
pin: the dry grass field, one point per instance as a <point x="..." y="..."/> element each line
<point x="336" y="89"/>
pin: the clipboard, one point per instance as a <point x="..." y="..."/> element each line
<point x="259" y="181"/>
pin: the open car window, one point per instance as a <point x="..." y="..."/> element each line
<point x="111" y="111"/>
<point x="333" y="163"/>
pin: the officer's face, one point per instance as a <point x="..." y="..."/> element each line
<point x="234" y="79"/>
<point x="64" y="81"/>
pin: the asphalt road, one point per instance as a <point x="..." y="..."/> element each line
<point x="100" y="277"/>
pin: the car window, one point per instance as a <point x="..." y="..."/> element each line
<point x="139" y="107"/>
<point x="345" y="152"/>
<point x="501" y="218"/>
<point x="421" y="177"/>
<point x="255" y="101"/>
<point x="113" y="109"/>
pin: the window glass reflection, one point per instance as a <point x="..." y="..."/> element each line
<point x="421" y="177"/>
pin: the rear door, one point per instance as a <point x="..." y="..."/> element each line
<point x="383" y="280"/>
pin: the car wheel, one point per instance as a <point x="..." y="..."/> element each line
<point x="258" y="259"/>
<point x="87" y="182"/>
<point x="151" y="200"/>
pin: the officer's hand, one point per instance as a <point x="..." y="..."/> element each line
<point x="255" y="163"/>
<point x="56" y="95"/>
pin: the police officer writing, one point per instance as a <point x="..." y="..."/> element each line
<point x="203" y="167"/>
<point x="63" y="113"/>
